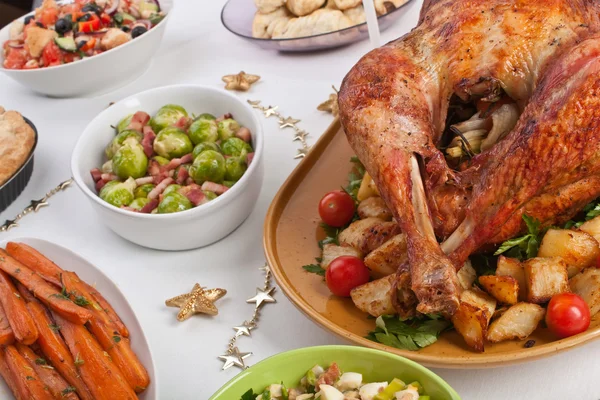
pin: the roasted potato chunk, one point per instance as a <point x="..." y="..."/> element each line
<point x="332" y="251"/>
<point x="367" y="188"/>
<point x="587" y="285"/>
<point x="375" y="297"/>
<point x="517" y="322"/>
<point x="473" y="316"/>
<point x="368" y="234"/>
<point x="578" y="249"/>
<point x="374" y="207"/>
<point x="513" y="267"/>
<point x="592" y="227"/>
<point x="505" y="289"/>
<point x="545" y="277"/>
<point x="386" y="259"/>
<point x="466" y="275"/>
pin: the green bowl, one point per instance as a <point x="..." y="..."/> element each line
<point x="374" y="365"/>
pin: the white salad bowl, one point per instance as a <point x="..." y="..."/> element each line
<point x="97" y="74"/>
<point x="94" y="276"/>
<point x="199" y="226"/>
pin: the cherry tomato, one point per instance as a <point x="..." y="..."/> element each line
<point x="567" y="315"/>
<point x="344" y="274"/>
<point x="336" y="208"/>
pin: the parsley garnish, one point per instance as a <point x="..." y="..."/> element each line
<point x="408" y="334"/>
<point x="40" y="361"/>
<point x="54" y="327"/>
<point x="78" y="361"/>
<point x="249" y="395"/>
<point x="332" y="235"/>
<point x="526" y="246"/>
<point x="81" y="301"/>
<point x="59" y="296"/>
<point x="355" y="177"/>
<point x="67" y="390"/>
<point x="314" y="268"/>
<point x="30" y="378"/>
<point x="17" y="270"/>
<point x="117" y="339"/>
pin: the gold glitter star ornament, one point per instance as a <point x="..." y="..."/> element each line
<point x="199" y="300"/>
<point x="331" y="105"/>
<point x="241" y="81"/>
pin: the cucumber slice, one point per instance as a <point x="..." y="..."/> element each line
<point x="66" y="44"/>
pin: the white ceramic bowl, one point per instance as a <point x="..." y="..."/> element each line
<point x="199" y="226"/>
<point x="98" y="74"/>
<point x="93" y="275"/>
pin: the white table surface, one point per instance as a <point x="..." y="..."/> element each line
<point x="197" y="49"/>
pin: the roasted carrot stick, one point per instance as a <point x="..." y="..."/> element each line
<point x="25" y="294"/>
<point x="7" y="335"/>
<point x="56" y="351"/>
<point x="96" y="295"/>
<point x="25" y="376"/>
<point x="101" y="376"/>
<point x="19" y="319"/>
<point x="43" y="291"/>
<point x="7" y="375"/>
<point x="107" y="334"/>
<point x="58" y="387"/>
<point x="33" y="259"/>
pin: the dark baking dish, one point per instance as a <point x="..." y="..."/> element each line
<point x="16" y="183"/>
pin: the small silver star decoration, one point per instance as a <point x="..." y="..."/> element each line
<point x="262" y="297"/>
<point x="10" y="223"/>
<point x="65" y="184"/>
<point x="302" y="152"/>
<point x="234" y="358"/>
<point x="300" y="135"/>
<point x="288" y="122"/>
<point x="242" y="330"/>
<point x="37" y="204"/>
<point x="270" y="111"/>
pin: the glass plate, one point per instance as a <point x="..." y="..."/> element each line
<point x="237" y="17"/>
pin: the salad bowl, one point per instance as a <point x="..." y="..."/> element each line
<point x="93" y="75"/>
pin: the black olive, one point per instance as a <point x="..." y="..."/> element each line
<point x="84" y="17"/>
<point x="91" y="7"/>
<point x="138" y="30"/>
<point x="125" y="28"/>
<point x="40" y="24"/>
<point x="62" y="26"/>
<point x="28" y="19"/>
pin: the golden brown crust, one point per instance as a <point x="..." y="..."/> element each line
<point x="16" y="141"/>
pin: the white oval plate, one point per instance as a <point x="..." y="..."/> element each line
<point x="68" y="260"/>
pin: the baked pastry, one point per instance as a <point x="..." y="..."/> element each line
<point x="263" y="24"/>
<point x="356" y="15"/>
<point x="347" y="4"/>
<point x="385" y="6"/>
<point x="321" y="21"/>
<point x="268" y="6"/>
<point x="16" y="141"/>
<point x="304" y="7"/>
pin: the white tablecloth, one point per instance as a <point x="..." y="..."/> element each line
<point x="197" y="49"/>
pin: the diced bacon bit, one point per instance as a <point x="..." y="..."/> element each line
<point x="109" y="177"/>
<point x="148" y="141"/>
<point x="176" y="162"/>
<point x="194" y="194"/>
<point x="224" y="117"/>
<point x="160" y="177"/>
<point x="183" y="123"/>
<point x="189" y="181"/>
<point x="154" y="168"/>
<point x="138" y="121"/>
<point x="182" y="176"/>
<point x="99" y="185"/>
<point x="244" y="134"/>
<point x="249" y="158"/>
<point x="328" y="377"/>
<point x="214" y="187"/>
<point x="96" y="174"/>
<point x="144" y="180"/>
<point x="151" y="205"/>
<point x="154" y="193"/>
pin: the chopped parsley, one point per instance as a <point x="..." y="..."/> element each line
<point x="17" y="270"/>
<point x="249" y="395"/>
<point x="59" y="296"/>
<point x="81" y="301"/>
<point x="54" y="327"/>
<point x="526" y="246"/>
<point x="67" y="390"/>
<point x="40" y="361"/>
<point x="315" y="269"/>
<point x="413" y="334"/>
<point x="30" y="378"/>
<point x="116" y="339"/>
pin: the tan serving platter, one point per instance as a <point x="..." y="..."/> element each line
<point x="291" y="233"/>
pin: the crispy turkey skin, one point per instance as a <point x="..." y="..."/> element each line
<point x="393" y="104"/>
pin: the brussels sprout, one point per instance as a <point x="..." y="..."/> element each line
<point x="171" y="188"/>
<point x="203" y="130"/>
<point x="228" y="183"/>
<point x="205" y="146"/>
<point x="227" y="128"/>
<point x="210" y="195"/>
<point x="174" y="202"/>
<point x="172" y="142"/>
<point x="107" y="167"/>
<point x="130" y="160"/>
<point x="208" y="166"/>
<point x="206" y="116"/>
<point x="118" y="193"/>
<point x="161" y="160"/>
<point x="167" y="115"/>
<point x="118" y="141"/>
<point x="236" y="147"/>
<point x="141" y="192"/>
<point x="139" y="203"/>
<point x="234" y="168"/>
<point x="124" y="123"/>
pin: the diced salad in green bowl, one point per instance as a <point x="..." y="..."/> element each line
<point x="172" y="161"/>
